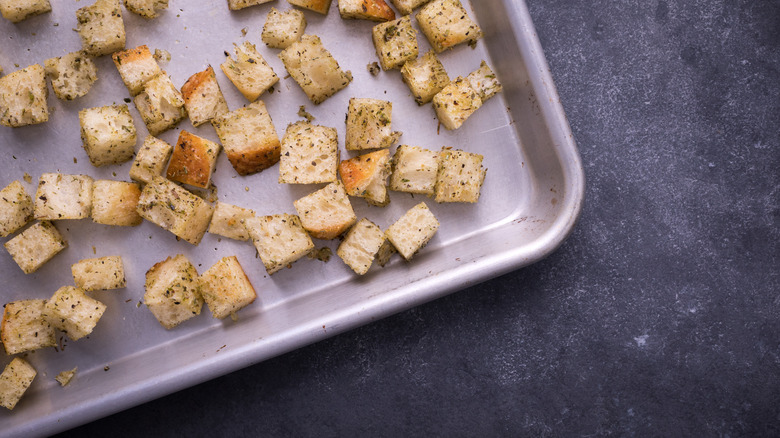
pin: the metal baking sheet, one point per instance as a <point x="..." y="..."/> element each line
<point x="530" y="201"/>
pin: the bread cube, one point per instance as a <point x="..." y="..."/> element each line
<point x="414" y="170"/>
<point x="413" y="230"/>
<point x="374" y="10"/>
<point x="160" y="104"/>
<point x="23" y="97"/>
<point x="395" y="42"/>
<point x="446" y="24"/>
<point x="18" y="10"/>
<point x="314" y="69"/>
<point x="35" y="246"/>
<point x="228" y="221"/>
<point x="226" y="288"/>
<point x="456" y="103"/>
<point x="320" y="6"/>
<point x="150" y="160"/>
<point x="203" y="98"/>
<point x="361" y="245"/>
<point x="249" y="138"/>
<point x="193" y="160"/>
<point x="173" y="208"/>
<point x="101" y="28"/>
<point x="115" y="202"/>
<point x="405" y="7"/>
<point x="14" y="381"/>
<point x="249" y="72"/>
<point x="136" y="67"/>
<point x="73" y="312"/>
<point x="365" y="176"/>
<point x="173" y="291"/>
<point x="385" y="253"/>
<point x="280" y="240"/>
<point x="460" y="176"/>
<point x="425" y="77"/>
<point x="326" y="213"/>
<point x="146" y="8"/>
<point x="235" y="5"/>
<point x="484" y="82"/>
<point x="103" y="273"/>
<point x="108" y="134"/>
<point x="16" y="208"/>
<point x="71" y="75"/>
<point x="63" y="197"/>
<point x="24" y="328"/>
<point x="369" y="124"/>
<point x="310" y="154"/>
<point x="283" y="28"/>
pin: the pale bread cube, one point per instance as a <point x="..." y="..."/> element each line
<point x="115" y="202"/>
<point x="310" y="154"/>
<point x="146" y="8"/>
<point x="484" y="81"/>
<point x="203" y="98"/>
<point x="14" y="381"/>
<point x="413" y="230"/>
<point x="73" y="312"/>
<point x="405" y="7"/>
<point x="35" y="246"/>
<point x="108" y="134"/>
<point x="320" y="6"/>
<point x="425" y="77"/>
<point x="365" y="176"/>
<point x="23" y="97"/>
<point x="395" y="42"/>
<point x="235" y="5"/>
<point x="460" y="176"/>
<point x="249" y="138"/>
<point x="369" y="124"/>
<point x="249" y="72"/>
<point x="63" y="197"/>
<point x="361" y="245"/>
<point x="173" y="291"/>
<point x="160" y="104"/>
<point x="374" y="10"/>
<point x="193" y="160"/>
<point x="173" y="208"/>
<point x="101" y="28"/>
<point x="326" y="213"/>
<point x="136" y="67"/>
<point x="18" y="10"/>
<point x="103" y="273"/>
<point x="446" y="24"/>
<point x="226" y="288"/>
<point x="414" y="170"/>
<point x="71" y="75"/>
<point x="16" y="208"/>
<point x="150" y="160"/>
<point x="280" y="240"/>
<point x="228" y="221"/>
<point x="314" y="69"/>
<point x="456" y="103"/>
<point x="24" y="328"/>
<point x="283" y="28"/>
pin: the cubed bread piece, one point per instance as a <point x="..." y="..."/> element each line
<point x="249" y="72"/>
<point x="310" y="154"/>
<point x="385" y="252"/>
<point x="425" y="77"/>
<point x="146" y="8"/>
<point x="228" y="221"/>
<point x="115" y="202"/>
<point x="73" y="312"/>
<point x="361" y="245"/>
<point x="193" y="160"/>
<point x="484" y="82"/>
<point x="460" y="176"/>
<point x="160" y="104"/>
<point x="235" y="5"/>
<point x="283" y="28"/>
<point x="395" y="42"/>
<point x="23" y="97"/>
<point x="203" y="98"/>
<point x="14" y="381"/>
<point x="446" y="24"/>
<point x="413" y="230"/>
<point x="226" y="288"/>
<point x="314" y="68"/>
<point x="405" y="7"/>
<point x="150" y="160"/>
<point x="71" y="75"/>
<point x="280" y="240"/>
<point x="249" y="138"/>
<point x="456" y="103"/>
<point x="173" y="208"/>
<point x="16" y="208"/>
<point x="24" y="328"/>
<point x="414" y="170"/>
<point x="101" y="273"/>
<point x="63" y="197"/>
<point x="320" y="6"/>
<point x="18" y="10"/>
<point x="365" y="176"/>
<point x="374" y="10"/>
<point x="173" y="291"/>
<point x="108" y="134"/>
<point x="326" y="213"/>
<point x="101" y="28"/>
<point x="35" y="246"/>
<point x="136" y="67"/>
<point x="369" y="124"/>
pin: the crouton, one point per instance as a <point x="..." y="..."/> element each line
<point x="369" y="124"/>
<point x="203" y="98"/>
<point x="136" y="67"/>
<point x="310" y="154"/>
<point x="365" y="176"/>
<point x="160" y="104"/>
<point x="63" y="197"/>
<point x="413" y="230"/>
<point x="228" y="221"/>
<point x="193" y="160"/>
<point x="405" y="7"/>
<point x="460" y="176"/>
<point x="35" y="246"/>
<point x="374" y="10"/>
<point x="456" y="103"/>
<point x="14" y="381"/>
<point x="24" y="328"/>
<point x="484" y="81"/>
<point x="23" y="97"/>
<point x="414" y="170"/>
<point x="283" y="28"/>
<point x="395" y="42"/>
<point x="172" y="291"/>
<point x="361" y="245"/>
<point x="173" y="208"/>
<point x="385" y="252"/>
<point x="235" y="5"/>
<point x="101" y="28"/>
<point x="280" y="240"/>
<point x="73" y="312"/>
<point x="314" y="69"/>
<point x="249" y="138"/>
<point x="16" y="208"/>
<point x="249" y="72"/>
<point x="103" y="273"/>
<point x="446" y="24"/>
<point x="150" y="160"/>
<point x="425" y="77"/>
<point x="108" y="134"/>
<point x="320" y="6"/>
<point x="115" y="202"/>
<point x="226" y="288"/>
<point x="326" y="213"/>
<point x="18" y="10"/>
<point x="146" y="8"/>
<point x="71" y="75"/>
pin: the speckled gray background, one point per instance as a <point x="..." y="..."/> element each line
<point x="659" y="316"/>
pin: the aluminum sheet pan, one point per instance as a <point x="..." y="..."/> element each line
<point x="530" y="201"/>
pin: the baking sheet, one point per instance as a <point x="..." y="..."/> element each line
<point x="530" y="200"/>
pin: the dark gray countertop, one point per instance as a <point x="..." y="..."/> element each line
<point x="659" y="316"/>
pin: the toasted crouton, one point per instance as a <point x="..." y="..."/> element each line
<point x="203" y="98"/>
<point x="414" y="170"/>
<point x="18" y="10"/>
<point x="235" y="5"/>
<point x="160" y="104"/>
<point x="310" y="154"/>
<point x="115" y="202"/>
<point x="102" y="273"/>
<point x="365" y="176"/>
<point x="146" y="8"/>
<point x="314" y="69"/>
<point x="456" y="103"/>
<point x="446" y="24"/>
<point x="413" y="230"/>
<point x="369" y="124"/>
<point x="280" y="240"/>
<point x="283" y="28"/>
<point x="173" y="208"/>
<point x="226" y="288"/>
<point x="24" y="328"/>
<point x="16" y="208"/>
<point x="193" y="160"/>
<point x="460" y="176"/>
<point x="361" y="245"/>
<point x="395" y="42"/>
<point x="425" y="76"/>
<point x="249" y="138"/>
<point x="150" y="160"/>
<point x="228" y="221"/>
<point x="405" y="7"/>
<point x="23" y="97"/>
<point x="14" y="381"/>
<point x="136" y="67"/>
<point x="484" y="81"/>
<point x="101" y="28"/>
<point x="326" y="213"/>
<point x="108" y="134"/>
<point x="249" y="72"/>
<point x="173" y="291"/>
<point x="374" y="10"/>
<point x="320" y="6"/>
<point x="63" y="197"/>
<point x="73" y="312"/>
<point x="71" y="75"/>
<point x="35" y="246"/>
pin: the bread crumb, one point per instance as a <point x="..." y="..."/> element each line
<point x="64" y="377"/>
